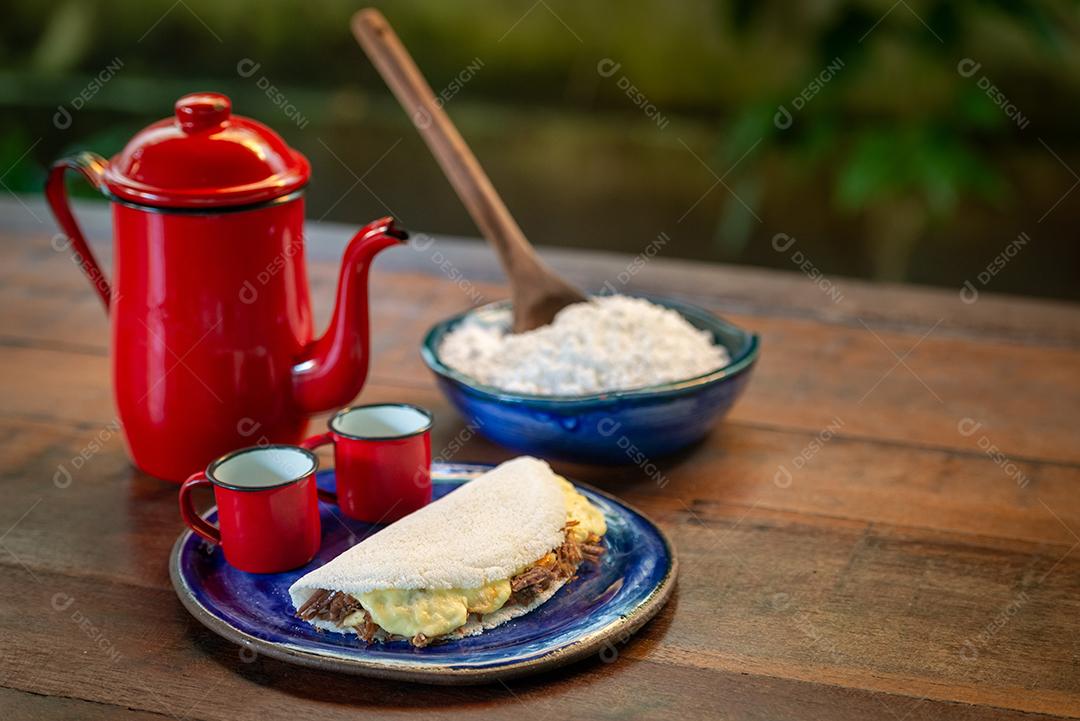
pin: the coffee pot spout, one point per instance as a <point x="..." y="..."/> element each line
<point x="332" y="369"/>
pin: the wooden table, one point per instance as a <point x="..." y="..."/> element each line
<point x="884" y="528"/>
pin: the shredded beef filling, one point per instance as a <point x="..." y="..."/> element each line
<point x="562" y="563"/>
<point x="331" y="606"/>
<point x="592" y="551"/>
<point x="368" y="629"/>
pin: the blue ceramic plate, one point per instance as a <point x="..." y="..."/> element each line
<point x="590" y="615"/>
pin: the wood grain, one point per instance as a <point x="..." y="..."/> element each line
<point x="898" y="572"/>
<point x="823" y="373"/>
<point x="738" y="289"/>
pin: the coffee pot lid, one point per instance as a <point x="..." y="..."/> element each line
<point x="205" y="157"/>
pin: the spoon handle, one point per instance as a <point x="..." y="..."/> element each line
<point x="461" y="167"/>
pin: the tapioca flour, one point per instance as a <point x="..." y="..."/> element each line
<point x="608" y="343"/>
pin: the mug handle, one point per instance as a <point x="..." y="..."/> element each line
<point x="311" y="444"/>
<point x="191" y="517"/>
<point x="92" y="167"/>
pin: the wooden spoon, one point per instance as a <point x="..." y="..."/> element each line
<point x="537" y="292"/>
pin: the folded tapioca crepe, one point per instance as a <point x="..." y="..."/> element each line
<point x="490" y="551"/>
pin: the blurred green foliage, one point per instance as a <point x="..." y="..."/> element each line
<point x="896" y="140"/>
<point x="904" y="150"/>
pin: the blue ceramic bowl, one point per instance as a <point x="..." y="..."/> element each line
<point x="618" y="427"/>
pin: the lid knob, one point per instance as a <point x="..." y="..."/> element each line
<point x="202" y="111"/>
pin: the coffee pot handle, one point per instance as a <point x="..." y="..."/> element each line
<point x="92" y="167"/>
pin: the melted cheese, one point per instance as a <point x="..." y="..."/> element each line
<point x="578" y="508"/>
<point x="431" y="612"/>
<point x="489" y="598"/>
<point x="434" y="612"/>
<point x="409" y="612"/>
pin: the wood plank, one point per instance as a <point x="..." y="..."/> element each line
<point x="799" y="380"/>
<point x="809" y="375"/>
<point x="738" y="471"/>
<point x="29" y="706"/>
<point x="755" y="469"/>
<point x="743" y="289"/>
<point x="752" y="291"/>
<point x="878" y="611"/>
<point x="754" y="577"/>
<point x="778" y="594"/>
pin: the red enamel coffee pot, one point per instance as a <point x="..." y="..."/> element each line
<point x="212" y="342"/>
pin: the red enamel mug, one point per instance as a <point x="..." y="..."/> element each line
<point x="382" y="460"/>
<point x="268" y="508"/>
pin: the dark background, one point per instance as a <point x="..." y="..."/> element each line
<point x="902" y="164"/>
